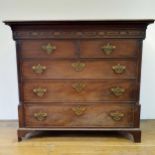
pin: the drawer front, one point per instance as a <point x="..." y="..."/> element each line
<point x="113" y="48"/>
<point x="48" y="49"/>
<point x="95" y="115"/>
<point x="75" y="90"/>
<point x="85" y="69"/>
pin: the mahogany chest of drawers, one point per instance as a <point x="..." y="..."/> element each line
<point x="79" y="75"/>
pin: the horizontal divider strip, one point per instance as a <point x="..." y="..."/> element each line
<point x="95" y="80"/>
<point x="91" y="102"/>
<point x="79" y="58"/>
<point x="82" y="102"/>
<point x="80" y="129"/>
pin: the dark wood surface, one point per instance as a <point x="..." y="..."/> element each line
<point x="142" y="22"/>
<point x="33" y="49"/>
<point x="94" y="115"/>
<point x="63" y="107"/>
<point x="63" y="69"/>
<point x="92" y="48"/>
<point x="83" y="48"/>
<point x="64" y="91"/>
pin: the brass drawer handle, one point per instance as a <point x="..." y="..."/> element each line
<point x="116" y="116"/>
<point x="49" y="48"/>
<point x="119" y="69"/>
<point x="79" y="86"/>
<point x="108" y="48"/>
<point x="117" y="91"/>
<point x="40" y="116"/>
<point x="38" y="69"/>
<point x="79" y="110"/>
<point x="40" y="91"/>
<point x="78" y="66"/>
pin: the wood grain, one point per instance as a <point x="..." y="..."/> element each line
<point x="33" y="49"/>
<point x="63" y="91"/>
<point x="124" y="48"/>
<point x="94" y="116"/>
<point x="94" y="69"/>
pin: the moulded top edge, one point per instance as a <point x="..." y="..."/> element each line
<point x="78" y="22"/>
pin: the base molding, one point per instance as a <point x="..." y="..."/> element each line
<point x="131" y="133"/>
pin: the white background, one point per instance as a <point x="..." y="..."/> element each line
<point x="73" y="9"/>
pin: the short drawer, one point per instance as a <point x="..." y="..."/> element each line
<point x="48" y="49"/>
<point x="109" y="48"/>
<point x="95" y="115"/>
<point x="80" y="69"/>
<point x="79" y="90"/>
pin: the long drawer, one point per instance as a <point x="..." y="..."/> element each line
<point x="76" y="69"/>
<point x="95" y="115"/>
<point x="79" y="90"/>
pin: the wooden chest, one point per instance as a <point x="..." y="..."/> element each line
<point x="79" y="75"/>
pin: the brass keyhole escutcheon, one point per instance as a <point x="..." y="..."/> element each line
<point x="108" y="48"/>
<point x="116" y="116"/>
<point x="79" y="86"/>
<point x="49" y="48"/>
<point x="40" y="116"/>
<point x="119" y="69"/>
<point x="79" y="110"/>
<point x="38" y="69"/>
<point x="39" y="91"/>
<point x="78" y="66"/>
<point x="117" y="91"/>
